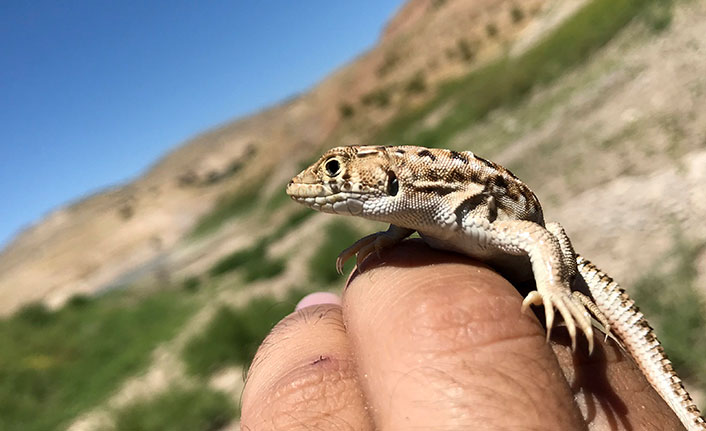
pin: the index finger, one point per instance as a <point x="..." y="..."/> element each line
<point x="440" y="340"/>
<point x="438" y="331"/>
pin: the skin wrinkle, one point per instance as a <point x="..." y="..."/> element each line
<point x="463" y="316"/>
<point x="466" y="325"/>
<point x="460" y="395"/>
<point x="283" y="327"/>
<point x="514" y="391"/>
<point x="414" y="288"/>
<point x="310" y="393"/>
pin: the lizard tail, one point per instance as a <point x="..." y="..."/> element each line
<point x="630" y="325"/>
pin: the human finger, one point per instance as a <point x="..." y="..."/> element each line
<point x="303" y="376"/>
<point x="441" y="344"/>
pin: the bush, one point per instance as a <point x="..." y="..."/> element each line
<point x="79" y="300"/>
<point x="379" y="98"/>
<point x="178" y="409"/>
<point x="55" y="365"/>
<point x="234" y="334"/>
<point x="253" y="261"/>
<point x="389" y="63"/>
<point x="236" y="260"/>
<point x="227" y="207"/>
<point x="517" y="14"/>
<point x="417" y="84"/>
<point x="674" y="306"/>
<point x="658" y="15"/>
<point x="467" y="52"/>
<point x="322" y="266"/>
<point x="507" y="80"/>
<point x="264" y="269"/>
<point x="191" y="284"/>
<point x="35" y="313"/>
<point x="491" y="29"/>
<point x="291" y="223"/>
<point x="346" y="110"/>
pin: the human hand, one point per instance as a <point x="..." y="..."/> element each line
<point x="433" y="340"/>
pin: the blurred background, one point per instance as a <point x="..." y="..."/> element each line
<point x="139" y="274"/>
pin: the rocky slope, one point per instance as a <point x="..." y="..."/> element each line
<point x="96" y="241"/>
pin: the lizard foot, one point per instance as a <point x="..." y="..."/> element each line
<point x="571" y="308"/>
<point x="601" y="321"/>
<point x="364" y="247"/>
<point x="375" y="242"/>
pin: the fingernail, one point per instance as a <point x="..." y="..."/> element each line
<point x="318" y="298"/>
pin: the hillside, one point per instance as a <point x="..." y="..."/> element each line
<point x="594" y="103"/>
<point x="91" y="244"/>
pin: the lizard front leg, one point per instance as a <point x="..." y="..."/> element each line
<point x="552" y="274"/>
<point x="372" y="243"/>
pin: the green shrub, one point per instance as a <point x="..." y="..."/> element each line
<point x="658" y="15"/>
<point x="467" y="52"/>
<point x="389" y="63"/>
<point x="264" y="269"/>
<point x="507" y="80"/>
<point x="253" y="261"/>
<point x="178" y="409"/>
<point x="227" y="207"/>
<point x="672" y="304"/>
<point x="291" y="223"/>
<point x="277" y="199"/>
<point x="55" y="365"/>
<point x="346" y="110"/>
<point x="417" y="84"/>
<point x="517" y="14"/>
<point x="79" y="300"/>
<point x="322" y="266"/>
<point x="491" y="29"/>
<point x="379" y="98"/>
<point x="35" y="313"/>
<point x="191" y="284"/>
<point x="236" y="260"/>
<point x="234" y="334"/>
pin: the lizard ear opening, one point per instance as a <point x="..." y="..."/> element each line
<point x="393" y="186"/>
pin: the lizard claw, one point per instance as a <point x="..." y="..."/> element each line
<point x="364" y="247"/>
<point x="571" y="309"/>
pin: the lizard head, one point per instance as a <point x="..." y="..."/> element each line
<point x="345" y="179"/>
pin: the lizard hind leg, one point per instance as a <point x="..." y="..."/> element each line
<point x="373" y="243"/>
<point x="601" y="320"/>
<point x="569" y="258"/>
<point x="553" y="274"/>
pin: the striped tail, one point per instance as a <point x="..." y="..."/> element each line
<point x="639" y="339"/>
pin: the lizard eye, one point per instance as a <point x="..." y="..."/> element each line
<point x="333" y="167"/>
<point x="393" y="186"/>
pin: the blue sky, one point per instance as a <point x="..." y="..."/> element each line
<point x="93" y="92"/>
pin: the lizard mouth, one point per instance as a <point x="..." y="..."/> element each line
<point x="327" y="198"/>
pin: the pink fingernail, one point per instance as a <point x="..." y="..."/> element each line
<point x="318" y="298"/>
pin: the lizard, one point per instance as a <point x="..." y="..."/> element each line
<point x="461" y="202"/>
